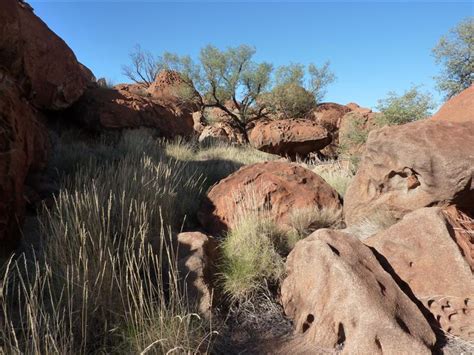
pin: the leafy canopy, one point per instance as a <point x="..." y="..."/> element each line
<point x="231" y="80"/>
<point x="291" y="95"/>
<point x="413" y="105"/>
<point x="455" y="52"/>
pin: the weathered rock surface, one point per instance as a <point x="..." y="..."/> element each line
<point x="197" y="255"/>
<point x="329" y="115"/>
<point x="334" y="117"/>
<point x="459" y="108"/>
<point x="24" y="148"/>
<point x="340" y="298"/>
<point x="407" y="167"/>
<point x="44" y="67"/>
<point x="289" y="137"/>
<point x="432" y="253"/>
<point x="129" y="106"/>
<point x="223" y="131"/>
<point x="170" y="90"/>
<point x="277" y="187"/>
<point x="360" y="121"/>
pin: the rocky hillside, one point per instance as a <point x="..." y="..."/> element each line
<point x="132" y="223"/>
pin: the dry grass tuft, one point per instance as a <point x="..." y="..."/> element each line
<point x="105" y="278"/>
<point x="337" y="173"/>
<point x="373" y="224"/>
<point x="307" y="220"/>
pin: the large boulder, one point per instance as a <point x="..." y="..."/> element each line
<point x="130" y="106"/>
<point x="333" y="117"/>
<point x="329" y="115"/>
<point x="341" y="299"/>
<point x="44" y="66"/>
<point x="276" y="187"/>
<point x="432" y="253"/>
<point x="170" y="90"/>
<point x="197" y="257"/>
<point x="459" y="108"/>
<point x="354" y="129"/>
<point x="224" y="131"/>
<point x="289" y="137"/>
<point x="23" y="149"/>
<point x="420" y="164"/>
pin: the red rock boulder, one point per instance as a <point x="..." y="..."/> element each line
<point x="331" y="116"/>
<point x="171" y="91"/>
<point x="342" y="301"/>
<point x="407" y="167"/>
<point x="129" y="106"/>
<point x="24" y="148"/>
<point x="223" y="131"/>
<point x="459" y="108"/>
<point x="289" y="137"/>
<point x="197" y="257"/>
<point x="278" y="188"/>
<point x="43" y="65"/>
<point x="431" y="251"/>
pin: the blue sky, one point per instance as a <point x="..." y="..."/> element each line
<point x="373" y="47"/>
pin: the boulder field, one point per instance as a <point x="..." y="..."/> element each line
<point x="399" y="291"/>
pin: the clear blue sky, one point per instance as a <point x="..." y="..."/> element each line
<point x="373" y="47"/>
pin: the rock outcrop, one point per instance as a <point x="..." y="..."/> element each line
<point x="459" y="108"/>
<point x="289" y="137"/>
<point x="38" y="71"/>
<point x="44" y="67"/>
<point x="278" y="188"/>
<point x="341" y="299"/>
<point x="223" y="131"/>
<point x="407" y="167"/>
<point x="129" y="106"/>
<point x="432" y="253"/>
<point x="329" y="115"/>
<point x="197" y="255"/>
<point x="24" y="148"/>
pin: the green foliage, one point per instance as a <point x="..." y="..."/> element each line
<point x="413" y="105"/>
<point x="222" y="75"/>
<point x="290" y="96"/>
<point x="250" y="257"/>
<point x="456" y="52"/>
<point x="320" y="78"/>
<point x="232" y="75"/>
<point x="290" y="100"/>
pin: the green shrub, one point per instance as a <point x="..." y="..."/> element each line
<point x="290" y="100"/>
<point x="413" y="105"/>
<point x="454" y="51"/>
<point x="250" y="256"/>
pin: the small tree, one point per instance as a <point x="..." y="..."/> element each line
<point x="144" y="67"/>
<point x="413" y="105"/>
<point x="232" y="75"/>
<point x="223" y="75"/>
<point x="456" y="52"/>
<point x="291" y="96"/>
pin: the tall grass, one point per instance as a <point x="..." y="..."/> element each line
<point x="250" y="256"/>
<point x="337" y="173"/>
<point x="105" y="279"/>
